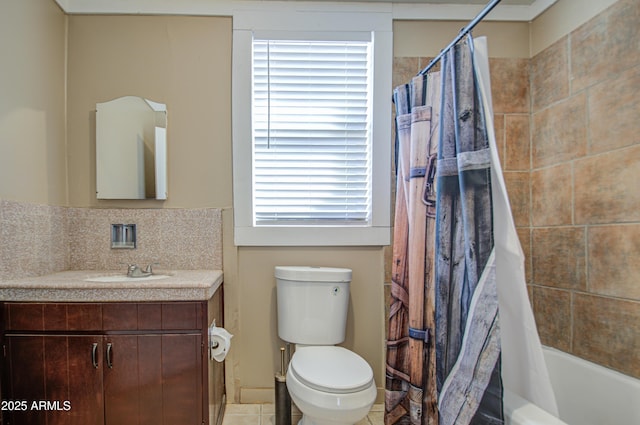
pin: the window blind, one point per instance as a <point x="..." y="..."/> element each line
<point x="311" y="132"/>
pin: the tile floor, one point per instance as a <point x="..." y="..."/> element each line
<point x="264" y="414"/>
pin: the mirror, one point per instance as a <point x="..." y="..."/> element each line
<point x="131" y="149"/>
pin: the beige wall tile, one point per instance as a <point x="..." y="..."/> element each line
<point x="560" y="132"/>
<point x="404" y="69"/>
<point x="588" y="44"/>
<point x="524" y="235"/>
<point x="613" y="253"/>
<point x="562" y="18"/>
<point x="559" y="257"/>
<point x="606" y="187"/>
<point x="509" y="85"/>
<point x="424" y="61"/>
<point x="530" y="294"/>
<point x="607" y="331"/>
<point x="517" y="152"/>
<point x="550" y="75"/>
<point x="552" y="311"/>
<point x="608" y="44"/>
<point x="498" y="128"/>
<point x="551" y="196"/>
<point x="613" y="112"/>
<point x="517" y="183"/>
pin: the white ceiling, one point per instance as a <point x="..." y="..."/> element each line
<point x="506" y="10"/>
<point x="512" y="2"/>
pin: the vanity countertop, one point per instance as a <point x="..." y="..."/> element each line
<point x="72" y="286"/>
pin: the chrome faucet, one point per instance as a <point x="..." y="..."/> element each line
<point x="149" y="268"/>
<point x="134" y="271"/>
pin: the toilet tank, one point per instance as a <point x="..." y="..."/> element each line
<point x="312" y="304"/>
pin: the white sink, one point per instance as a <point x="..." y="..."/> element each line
<point x="123" y="278"/>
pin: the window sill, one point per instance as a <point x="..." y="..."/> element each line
<point x="312" y="236"/>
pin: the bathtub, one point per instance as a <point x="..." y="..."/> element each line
<point x="586" y="393"/>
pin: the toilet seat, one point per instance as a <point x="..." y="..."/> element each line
<point x="331" y="369"/>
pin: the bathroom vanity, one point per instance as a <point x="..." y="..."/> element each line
<point x="101" y="353"/>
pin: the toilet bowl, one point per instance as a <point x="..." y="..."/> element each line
<point x="330" y="385"/>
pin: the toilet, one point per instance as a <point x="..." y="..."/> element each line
<point x="328" y="383"/>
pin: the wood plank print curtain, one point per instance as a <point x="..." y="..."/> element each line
<point x="443" y="349"/>
<point x="410" y="356"/>
<point x="467" y="328"/>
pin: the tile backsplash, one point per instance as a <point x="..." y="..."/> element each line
<point x="39" y="239"/>
<point x="33" y="239"/>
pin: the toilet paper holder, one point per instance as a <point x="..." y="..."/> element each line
<point x="214" y="344"/>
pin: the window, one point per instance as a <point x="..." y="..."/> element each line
<point x="311" y="139"/>
<point x="311" y="129"/>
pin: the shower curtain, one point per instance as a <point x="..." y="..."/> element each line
<point x="410" y="355"/>
<point x="467" y="335"/>
<point x="460" y="324"/>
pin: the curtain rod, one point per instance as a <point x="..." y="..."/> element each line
<point x="464" y="31"/>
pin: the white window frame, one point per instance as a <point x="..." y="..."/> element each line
<point x="312" y="21"/>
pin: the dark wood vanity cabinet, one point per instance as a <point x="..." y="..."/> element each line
<point x="110" y="363"/>
<point x="50" y="368"/>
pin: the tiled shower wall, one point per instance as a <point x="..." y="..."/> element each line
<point x="39" y="239"/>
<point x="585" y="201"/>
<point x="568" y="131"/>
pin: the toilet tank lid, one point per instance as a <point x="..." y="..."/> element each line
<point x="313" y="274"/>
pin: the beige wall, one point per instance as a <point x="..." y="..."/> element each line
<point x="185" y="62"/>
<point x="427" y="38"/>
<point x="32" y="102"/>
<point x="506" y="39"/>
<point x="258" y="356"/>
<point x="182" y="61"/>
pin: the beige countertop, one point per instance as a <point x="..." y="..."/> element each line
<point x="74" y="286"/>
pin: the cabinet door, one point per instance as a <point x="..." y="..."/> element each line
<point x="56" y="378"/>
<point x="153" y="379"/>
<point x="182" y="357"/>
<point x="133" y="379"/>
